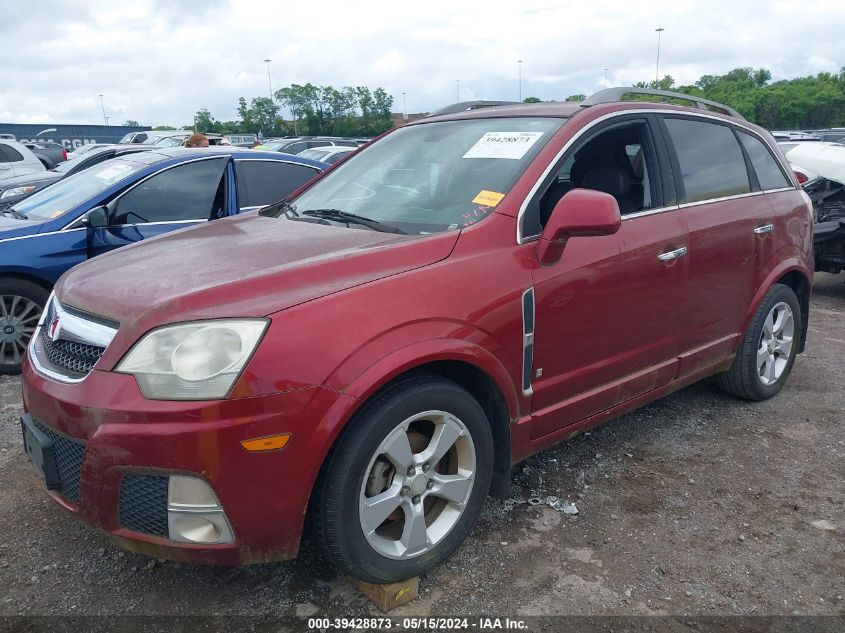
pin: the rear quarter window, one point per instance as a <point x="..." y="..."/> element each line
<point x="9" y="154"/>
<point x="711" y="161"/>
<point x="262" y="182"/>
<point x="768" y="170"/>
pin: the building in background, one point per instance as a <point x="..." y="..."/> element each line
<point x="70" y="136"/>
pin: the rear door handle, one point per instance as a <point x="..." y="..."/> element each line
<point x="668" y="257"/>
<point x="766" y="228"/>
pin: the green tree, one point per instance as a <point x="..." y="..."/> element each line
<point x="131" y="123"/>
<point x="578" y="97"/>
<point x="203" y="121"/>
<point x="532" y="100"/>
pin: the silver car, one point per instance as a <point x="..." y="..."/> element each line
<point x="17" y="160"/>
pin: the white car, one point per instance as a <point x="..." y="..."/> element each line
<point x="329" y="154"/>
<point x="17" y="160"/>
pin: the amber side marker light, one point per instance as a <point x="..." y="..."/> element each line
<point x="268" y="443"/>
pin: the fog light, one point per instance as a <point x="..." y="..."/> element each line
<point x="194" y="514"/>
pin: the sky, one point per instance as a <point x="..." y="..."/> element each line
<point x="159" y="61"/>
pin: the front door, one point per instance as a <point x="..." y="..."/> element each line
<point x="606" y="322"/>
<point x="183" y="195"/>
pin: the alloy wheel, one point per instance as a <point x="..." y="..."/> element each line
<point x="18" y="320"/>
<point x="418" y="484"/>
<point x="776" y="341"/>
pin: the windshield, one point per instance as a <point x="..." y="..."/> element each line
<point x="64" y="195"/>
<point x="433" y="177"/>
<point x="170" y="141"/>
<point x="71" y="163"/>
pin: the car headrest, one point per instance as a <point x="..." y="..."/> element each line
<point x="609" y="179"/>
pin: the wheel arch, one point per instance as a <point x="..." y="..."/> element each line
<point x="488" y="394"/>
<point x="23" y="276"/>
<point x="802" y="286"/>
<point x="472" y="367"/>
<point x="792" y="274"/>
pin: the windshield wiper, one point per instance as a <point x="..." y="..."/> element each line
<point x="15" y="214"/>
<point x="338" y="215"/>
<point x="278" y="208"/>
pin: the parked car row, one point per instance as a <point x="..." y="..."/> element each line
<point x="371" y="354"/>
<point x="117" y="196"/>
<point x="16" y="160"/>
<point x="15" y="189"/>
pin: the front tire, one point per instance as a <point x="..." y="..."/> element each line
<point x="21" y="304"/>
<point x="405" y="483"/>
<point x="767" y="352"/>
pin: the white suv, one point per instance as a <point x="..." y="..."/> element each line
<point x="17" y="160"/>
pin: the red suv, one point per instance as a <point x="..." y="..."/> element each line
<point x="376" y="352"/>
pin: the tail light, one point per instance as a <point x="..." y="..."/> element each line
<point x="801" y="176"/>
<point x="64" y="153"/>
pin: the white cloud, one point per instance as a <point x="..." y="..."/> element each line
<point x="158" y="61"/>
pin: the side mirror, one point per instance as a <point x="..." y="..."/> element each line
<point x="580" y="213"/>
<point x="98" y="217"/>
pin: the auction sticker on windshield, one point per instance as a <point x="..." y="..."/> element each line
<point x="488" y="198"/>
<point x="113" y="172"/>
<point x="510" y="145"/>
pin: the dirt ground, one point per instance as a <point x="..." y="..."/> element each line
<point x="697" y="504"/>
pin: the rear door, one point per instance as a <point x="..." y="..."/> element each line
<point x="724" y="210"/>
<point x="179" y="196"/>
<point x="262" y="182"/>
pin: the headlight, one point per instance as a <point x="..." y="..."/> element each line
<point x="16" y="191"/>
<point x="192" y="361"/>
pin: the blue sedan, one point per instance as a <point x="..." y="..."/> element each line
<point x="119" y="202"/>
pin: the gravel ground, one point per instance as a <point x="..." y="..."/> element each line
<point x="697" y="504"/>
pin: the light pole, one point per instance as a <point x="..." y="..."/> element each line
<point x="605" y="78"/>
<point x="458" y="86"/>
<point x="519" y="66"/>
<point x="269" y="82"/>
<point x="657" y="69"/>
<point x="404" y="108"/>
<point x="103" y="106"/>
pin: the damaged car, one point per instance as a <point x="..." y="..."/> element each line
<point x="820" y="168"/>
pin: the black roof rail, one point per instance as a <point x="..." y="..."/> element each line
<point x="612" y="95"/>
<point x="465" y="106"/>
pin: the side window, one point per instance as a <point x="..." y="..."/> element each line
<point x="711" y="161"/>
<point x="262" y="182"/>
<point x="769" y="173"/>
<point x="194" y="191"/>
<point x="9" y="154"/>
<point x="295" y="148"/>
<point x="617" y="161"/>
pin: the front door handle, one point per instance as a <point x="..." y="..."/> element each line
<point x="766" y="228"/>
<point x="668" y="257"/>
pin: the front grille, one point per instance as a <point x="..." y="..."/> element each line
<point x="77" y="358"/>
<point x="143" y="504"/>
<point x="68" y="455"/>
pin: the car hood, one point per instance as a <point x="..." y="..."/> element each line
<point x="246" y="266"/>
<point x="13" y="227"/>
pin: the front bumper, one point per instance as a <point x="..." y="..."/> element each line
<point x="264" y="495"/>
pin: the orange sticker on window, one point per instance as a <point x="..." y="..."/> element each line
<point x="488" y="198"/>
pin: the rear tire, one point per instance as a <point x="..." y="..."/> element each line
<point x="21" y="304"/>
<point x="404" y="485"/>
<point x="767" y="351"/>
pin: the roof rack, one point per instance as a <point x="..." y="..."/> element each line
<point x="611" y="95"/>
<point x="465" y="106"/>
